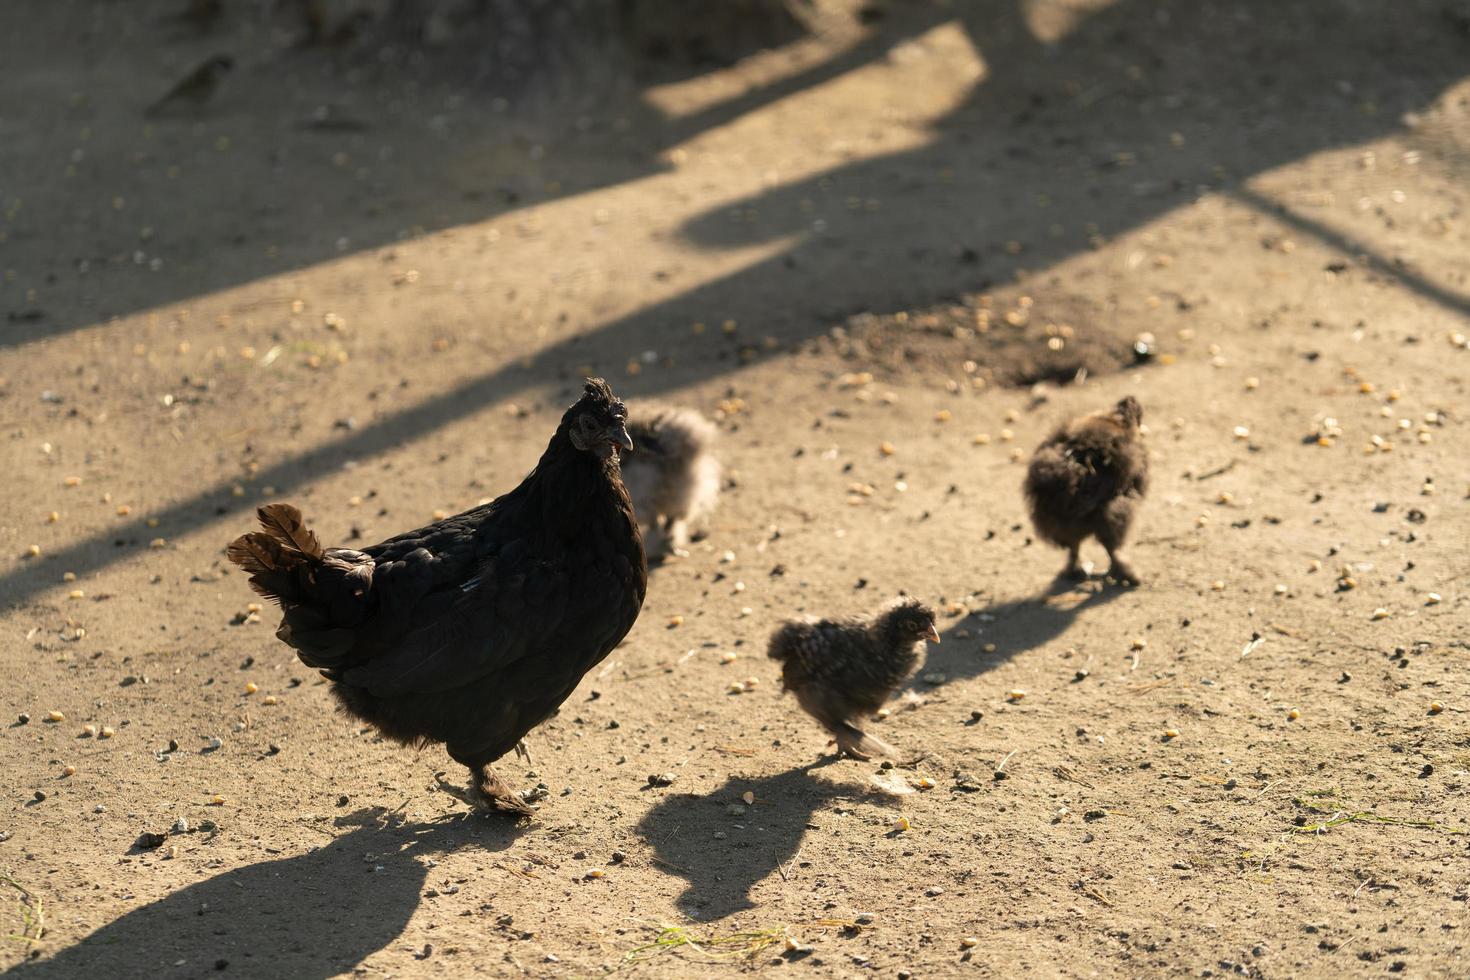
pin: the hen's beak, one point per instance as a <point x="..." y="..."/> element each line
<point x="618" y="436"/>
<point x="933" y="635"/>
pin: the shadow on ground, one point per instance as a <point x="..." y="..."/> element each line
<point x="763" y="840"/>
<point x="318" y="914"/>
<point x="1136" y="111"/>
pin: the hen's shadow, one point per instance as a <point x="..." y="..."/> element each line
<point x="762" y="841"/>
<point x="317" y="914"/>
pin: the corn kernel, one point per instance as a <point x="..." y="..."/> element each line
<point x="748" y="797"/>
<point x="252" y="607"/>
<point x="594" y="873"/>
<point x="676" y="620"/>
<point x="251" y="687"/>
<point x="55" y="716"/>
<point x="75" y="594"/>
<point x="901" y="824"/>
<point x="123" y="510"/>
<point x="1006" y="435"/>
<point x="53" y="517"/>
<point x="1138" y="643"/>
<point x="1015" y="695"/>
<point x="990" y="648"/>
<point x="969" y="942"/>
<point x="1217" y="586"/>
<point x="72" y="481"/>
<point x="1251" y="384"/>
<point x="736" y="688"/>
<point x="1293" y="714"/>
<point x="69" y="770"/>
<point x="1435" y="707"/>
<point x="924" y="782"/>
<point x="943" y="415"/>
<point x="1433" y="599"/>
<point x="89" y="730"/>
<point x="1380" y="613"/>
<point x="1281" y="588"/>
<point x="34" y="551"/>
<point x="107" y="731"/>
<point x="1171" y="733"/>
<point x="158" y="543"/>
<point x="886" y="448"/>
<point x="981" y="439"/>
<point x="1242" y="432"/>
<point x="729" y="657"/>
<point x="1226" y="497"/>
<point x="270" y="699"/>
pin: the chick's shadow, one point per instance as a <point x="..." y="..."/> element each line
<point x="317" y="914"/>
<point x="763" y="840"/>
<point x="1014" y="627"/>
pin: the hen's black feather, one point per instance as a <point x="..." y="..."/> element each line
<point x="472" y="630"/>
<point x="1085" y="481"/>
<point x="843" y="669"/>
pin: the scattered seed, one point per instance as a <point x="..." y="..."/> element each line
<point x="1015" y="694"/>
<point x="901" y="824"/>
<point x="729" y="657"/>
<point x="676" y="621"/>
<point x="981" y="439"/>
<point x="75" y="594"/>
<point x="1242" y="432"/>
<point x="1380" y="613"/>
<point x="1171" y="733"/>
<point x="1293" y="714"/>
<point x="1217" y="586"/>
<point x="943" y="415"/>
<point x="594" y="873"/>
<point x="55" y="716"/>
<point x="1138" y="643"/>
<point x="251" y="687"/>
<point x="1435" y="707"/>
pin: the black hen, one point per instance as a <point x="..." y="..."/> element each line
<point x="1085" y="481"/>
<point x="843" y="669"/>
<point x="470" y="631"/>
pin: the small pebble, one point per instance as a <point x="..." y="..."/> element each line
<point x="68" y="770"/>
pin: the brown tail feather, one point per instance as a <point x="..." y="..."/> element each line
<point x="255" y="552"/>
<point x="283" y="522"/>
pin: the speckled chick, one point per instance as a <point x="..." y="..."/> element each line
<point x="844" y="669"/>
<point x="1086" y="480"/>
<point x="672" y="474"/>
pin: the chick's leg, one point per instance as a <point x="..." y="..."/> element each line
<point x="1074" y="569"/>
<point x="1116" y="521"/>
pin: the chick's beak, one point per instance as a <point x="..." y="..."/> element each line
<point x="933" y="635"/>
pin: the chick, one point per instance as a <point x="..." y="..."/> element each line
<point x="843" y="669"/>
<point x="1085" y="481"/>
<point x="672" y="474"/>
<point x="196" y="88"/>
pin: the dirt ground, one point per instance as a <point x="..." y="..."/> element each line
<point x="940" y="226"/>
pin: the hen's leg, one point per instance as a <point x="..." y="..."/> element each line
<point x="491" y="793"/>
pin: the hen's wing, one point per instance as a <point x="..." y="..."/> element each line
<point x="458" y="631"/>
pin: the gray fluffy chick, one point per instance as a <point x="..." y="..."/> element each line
<point x="1085" y="481"/>
<point x="843" y="669"/>
<point x="672" y="473"/>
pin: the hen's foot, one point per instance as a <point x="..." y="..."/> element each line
<point x="493" y="795"/>
<point x="524" y="751"/>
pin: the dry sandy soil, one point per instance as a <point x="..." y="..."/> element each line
<point x="378" y="313"/>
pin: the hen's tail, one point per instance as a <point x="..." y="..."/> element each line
<point x="276" y="555"/>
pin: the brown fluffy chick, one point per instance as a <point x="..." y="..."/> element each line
<point x="672" y="474"/>
<point x="843" y="669"/>
<point x="1086" y="480"/>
